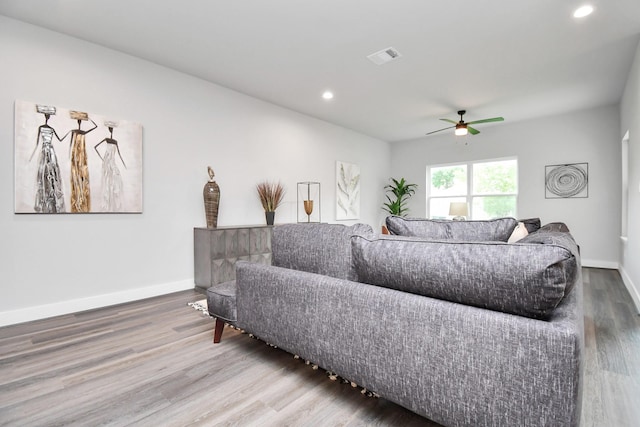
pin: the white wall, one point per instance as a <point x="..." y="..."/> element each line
<point x="585" y="136"/>
<point x="52" y="264"/>
<point x="630" y="121"/>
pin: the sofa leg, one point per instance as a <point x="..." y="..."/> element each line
<point x="217" y="333"/>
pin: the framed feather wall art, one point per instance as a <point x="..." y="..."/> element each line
<point x="347" y="191"/>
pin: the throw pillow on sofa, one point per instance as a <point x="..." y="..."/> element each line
<point x="528" y="279"/>
<point x="518" y="233"/>
<point x="471" y="231"/>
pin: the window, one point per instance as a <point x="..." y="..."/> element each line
<point x="490" y="188"/>
<point x="625" y="186"/>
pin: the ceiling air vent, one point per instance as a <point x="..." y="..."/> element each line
<point x="384" y="56"/>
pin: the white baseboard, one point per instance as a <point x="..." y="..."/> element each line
<point x="81" y="304"/>
<point x="594" y="263"/>
<point x="633" y="290"/>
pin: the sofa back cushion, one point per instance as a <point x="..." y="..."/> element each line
<point x="528" y="279"/>
<point x="316" y="248"/>
<point x="470" y="231"/>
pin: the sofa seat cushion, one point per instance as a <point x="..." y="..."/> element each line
<point x="528" y="279"/>
<point x="221" y="301"/>
<point x="316" y="248"/>
<point x="490" y="230"/>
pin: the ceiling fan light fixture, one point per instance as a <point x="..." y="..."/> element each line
<point x="461" y="130"/>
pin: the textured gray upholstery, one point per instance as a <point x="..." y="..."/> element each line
<point x="221" y="301"/>
<point x="454" y="363"/>
<point x="490" y="230"/>
<point x="316" y="248"/>
<point x="555" y="226"/>
<point x="528" y="279"/>
<point x="531" y="224"/>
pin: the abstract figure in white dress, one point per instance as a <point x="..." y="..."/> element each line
<point x="112" y="187"/>
<point x="49" y="193"/>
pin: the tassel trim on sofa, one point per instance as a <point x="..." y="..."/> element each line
<point x="331" y="375"/>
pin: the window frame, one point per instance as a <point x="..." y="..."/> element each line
<point x="624" y="220"/>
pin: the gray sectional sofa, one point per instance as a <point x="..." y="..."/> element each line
<point x="443" y="318"/>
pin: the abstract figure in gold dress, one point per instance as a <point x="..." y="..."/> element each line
<point x="112" y="187"/>
<point x="49" y="194"/>
<point x="80" y="191"/>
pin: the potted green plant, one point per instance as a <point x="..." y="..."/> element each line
<point x="401" y="192"/>
<point x="271" y="195"/>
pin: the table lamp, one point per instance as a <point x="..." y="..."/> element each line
<point x="459" y="210"/>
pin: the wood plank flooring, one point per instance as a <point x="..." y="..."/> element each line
<point x="611" y="393"/>
<point x="152" y="363"/>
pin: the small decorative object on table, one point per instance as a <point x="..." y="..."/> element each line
<point x="211" y="194"/>
<point x="309" y="194"/>
<point x="271" y="195"/>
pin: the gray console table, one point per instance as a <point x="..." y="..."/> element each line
<point x="216" y="251"/>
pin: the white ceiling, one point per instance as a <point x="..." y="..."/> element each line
<point x="517" y="59"/>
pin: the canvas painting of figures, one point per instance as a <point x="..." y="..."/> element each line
<point x="73" y="161"/>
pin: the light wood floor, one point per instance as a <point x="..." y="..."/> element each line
<point x="152" y="363"/>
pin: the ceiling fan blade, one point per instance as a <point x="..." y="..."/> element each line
<point x="450" y="121"/>
<point x="439" y="130"/>
<point x="495" y="119"/>
<point x="472" y="131"/>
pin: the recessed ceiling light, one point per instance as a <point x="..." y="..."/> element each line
<point x="327" y="95"/>
<point x="583" y="11"/>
